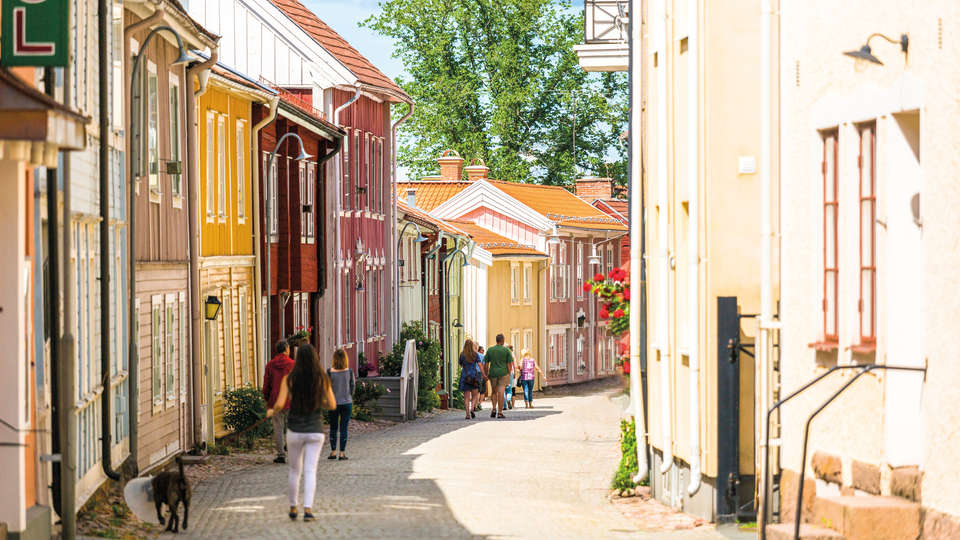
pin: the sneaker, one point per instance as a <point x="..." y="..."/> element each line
<point x="280" y="459"/>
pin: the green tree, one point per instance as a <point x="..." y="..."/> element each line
<point x="499" y="80"/>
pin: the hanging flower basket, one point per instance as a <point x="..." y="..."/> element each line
<point x="300" y="337"/>
<point x="613" y="291"/>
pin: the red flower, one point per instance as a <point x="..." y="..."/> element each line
<point x="626" y="294"/>
<point x="617" y="274"/>
<point x="618" y="313"/>
<point x="626" y="368"/>
<point x="604" y="314"/>
<point x="598" y="277"/>
<point x="619" y="297"/>
<point x="587" y="286"/>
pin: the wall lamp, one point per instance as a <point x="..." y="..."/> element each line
<point x="211" y="308"/>
<point x="866" y="53"/>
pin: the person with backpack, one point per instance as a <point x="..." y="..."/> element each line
<point x="471" y="377"/>
<point x="276" y="369"/>
<point x="498" y="366"/>
<point x="309" y="391"/>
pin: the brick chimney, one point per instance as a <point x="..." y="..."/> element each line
<point x="477" y="170"/>
<point x="451" y="165"/>
<point x="595" y="188"/>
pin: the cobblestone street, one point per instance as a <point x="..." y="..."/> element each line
<point x="540" y="473"/>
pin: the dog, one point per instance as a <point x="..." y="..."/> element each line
<point x="171" y="488"/>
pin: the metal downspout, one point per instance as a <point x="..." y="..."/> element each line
<point x="106" y="410"/>
<point x="273" y="107"/>
<point x="193" y="232"/>
<point x="338" y="263"/>
<point x="693" y="234"/>
<point x="393" y="221"/>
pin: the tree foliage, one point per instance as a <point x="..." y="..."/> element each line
<point x="499" y="80"/>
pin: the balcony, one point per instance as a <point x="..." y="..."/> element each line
<point x="606" y="36"/>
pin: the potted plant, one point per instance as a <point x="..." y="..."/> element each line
<point x="300" y="336"/>
<point x="363" y="368"/>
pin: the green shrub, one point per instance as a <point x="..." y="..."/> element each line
<point x="365" y="396"/>
<point x="623" y="479"/>
<point x="429" y="357"/>
<point x="244" y="407"/>
<point x="219" y="450"/>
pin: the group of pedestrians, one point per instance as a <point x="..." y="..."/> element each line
<point x="495" y="372"/>
<point x="299" y="393"/>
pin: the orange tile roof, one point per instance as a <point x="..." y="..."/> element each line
<point x="617" y="208"/>
<point x="431" y="194"/>
<point x="365" y="71"/>
<point x="493" y="242"/>
<point x="427" y="219"/>
<point x="559" y="205"/>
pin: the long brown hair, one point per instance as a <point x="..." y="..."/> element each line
<point x="339" y="359"/>
<point x="307" y="381"/>
<point x="469" y="351"/>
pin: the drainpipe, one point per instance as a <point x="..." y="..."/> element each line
<point x="424" y="286"/>
<point x="393" y="221"/>
<point x="766" y="288"/>
<point x="201" y="71"/>
<point x="637" y="304"/>
<point x="272" y="109"/>
<point x="339" y="201"/>
<point x="106" y="415"/>
<point x="693" y="254"/>
<point x="663" y="310"/>
<point x="133" y="373"/>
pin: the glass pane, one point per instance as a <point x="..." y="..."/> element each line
<point x="866" y="232"/>
<point x="241" y="172"/>
<point x="211" y="163"/>
<point x="830" y="278"/>
<point x="830" y="238"/>
<point x="830" y="174"/>
<point x="153" y="140"/>
<point x="866" y="163"/>
<point x="221" y="168"/>
<point x="866" y="293"/>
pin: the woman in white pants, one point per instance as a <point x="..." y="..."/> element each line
<point x="308" y="388"/>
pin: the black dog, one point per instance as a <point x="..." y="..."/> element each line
<point x="171" y="487"/>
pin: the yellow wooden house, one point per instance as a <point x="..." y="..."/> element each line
<point x="227" y="261"/>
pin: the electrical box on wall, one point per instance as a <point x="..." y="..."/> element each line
<point x="747" y="165"/>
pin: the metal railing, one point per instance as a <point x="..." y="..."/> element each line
<point x="605" y="21"/>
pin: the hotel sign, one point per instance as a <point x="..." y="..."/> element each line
<point x="33" y="33"/>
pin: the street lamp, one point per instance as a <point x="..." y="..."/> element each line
<point x="865" y="53"/>
<point x="182" y="58"/>
<point x="212" y="308"/>
<point x="270" y="209"/>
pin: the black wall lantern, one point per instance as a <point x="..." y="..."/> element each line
<point x="580" y="320"/>
<point x="211" y="308"/>
<point x="866" y="53"/>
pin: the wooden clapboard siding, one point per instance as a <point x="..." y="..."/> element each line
<point x="227" y="280"/>
<point x="161" y="233"/>
<point x="160" y="429"/>
<point x="231" y="235"/>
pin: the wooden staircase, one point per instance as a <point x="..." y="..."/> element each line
<point x="389" y="403"/>
<point x="855" y="517"/>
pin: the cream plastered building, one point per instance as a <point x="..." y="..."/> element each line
<point x="870" y="227"/>
<point x="701" y="70"/>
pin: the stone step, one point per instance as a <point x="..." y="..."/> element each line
<point x="784" y="531"/>
<point x="868" y="517"/>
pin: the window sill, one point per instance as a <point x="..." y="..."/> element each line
<point x="863" y="348"/>
<point x="824" y="346"/>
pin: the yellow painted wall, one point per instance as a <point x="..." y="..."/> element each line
<point x="503" y="316"/>
<point x="231" y="234"/>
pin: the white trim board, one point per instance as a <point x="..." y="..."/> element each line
<point x="483" y="194"/>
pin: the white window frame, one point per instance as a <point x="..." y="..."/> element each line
<point x="609" y="260"/>
<point x="222" y="169"/>
<point x="515" y="334"/>
<point x="346" y="170"/>
<point x="579" y="263"/>
<point x="153" y="132"/>
<point x="515" y="283"/>
<point x="226" y="315"/>
<point x="241" y="130"/>
<point x="528" y="283"/>
<point x="211" y="133"/>
<point x="579" y="344"/>
<point x="242" y="306"/>
<point x="356" y="170"/>
<point x="183" y="346"/>
<point x="176" y="146"/>
<point x="170" y="336"/>
<point x="527" y="340"/>
<point x="156" y="351"/>
<point x="368" y="187"/>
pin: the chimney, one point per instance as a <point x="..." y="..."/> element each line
<point x="477" y="170"/>
<point x="595" y="188"/>
<point x="412" y="197"/>
<point x="451" y="165"/>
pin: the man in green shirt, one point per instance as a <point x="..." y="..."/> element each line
<point x="497" y="366"/>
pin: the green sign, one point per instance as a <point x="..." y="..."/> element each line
<point x="34" y="33"/>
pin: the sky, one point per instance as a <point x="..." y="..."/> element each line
<point x="345" y="16"/>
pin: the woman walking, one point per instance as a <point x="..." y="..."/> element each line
<point x="343" y="383"/>
<point x="528" y="366"/>
<point x="308" y="388"/>
<point x="471" y="378"/>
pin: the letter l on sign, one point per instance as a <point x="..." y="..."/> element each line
<point x="34" y="33"/>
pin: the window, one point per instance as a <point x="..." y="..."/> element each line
<point x="241" y="172"/>
<point x="610" y="262"/>
<point x="211" y="164"/>
<point x="156" y="350"/>
<point x="579" y="270"/>
<point x="244" y="336"/>
<point x="176" y="179"/>
<point x="183" y="347"/>
<point x="356" y="170"/>
<point x="307" y="188"/>
<point x="221" y="167"/>
<point x="272" y="218"/>
<point x="515" y="283"/>
<point x="581" y="366"/>
<point x="169" y="333"/>
<point x="347" y="311"/>
<point x="371" y="295"/>
<point x="515" y="341"/>
<point x="226" y="316"/>
<point x="557" y="351"/>
<point x="153" y="132"/>
<point x="527" y="283"/>
<point x="311" y="200"/>
<point x="868" y="236"/>
<point x="527" y="340"/>
<point x="558" y="271"/>
<point x="830" y="254"/>
<point x="212" y="353"/>
<point x="346" y="170"/>
<point x="378" y="174"/>
<point x="302" y="182"/>
<point x="366" y="169"/>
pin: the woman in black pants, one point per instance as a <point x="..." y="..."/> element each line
<point x="342" y="381"/>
